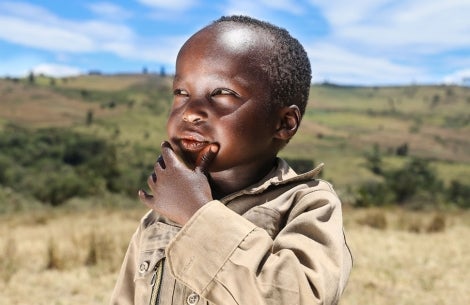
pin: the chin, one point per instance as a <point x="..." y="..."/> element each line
<point x="188" y="157"/>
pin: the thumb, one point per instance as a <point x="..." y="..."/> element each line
<point x="206" y="156"/>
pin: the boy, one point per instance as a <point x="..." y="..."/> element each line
<point x="231" y="223"/>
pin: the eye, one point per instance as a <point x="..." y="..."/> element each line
<point x="224" y="91"/>
<point x="180" y="92"/>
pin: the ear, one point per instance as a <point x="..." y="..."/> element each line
<point x="289" y="119"/>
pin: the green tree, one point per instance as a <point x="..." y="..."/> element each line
<point x="415" y="176"/>
<point x="459" y="194"/>
<point x="31" y="78"/>
<point x="374" y="160"/>
<point x="89" y="117"/>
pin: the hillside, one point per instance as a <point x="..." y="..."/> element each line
<point x="340" y="126"/>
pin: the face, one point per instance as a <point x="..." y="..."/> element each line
<point x="220" y="96"/>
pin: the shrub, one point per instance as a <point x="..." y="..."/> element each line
<point x="54" y="165"/>
<point x="372" y="193"/>
<point x="459" y="194"/>
<point x="376" y="220"/>
<point x="416" y="175"/>
<point x="374" y="160"/>
<point x="402" y="150"/>
<point x="54" y="259"/>
<point x="101" y="250"/>
<point x="437" y="224"/>
<point x="416" y="184"/>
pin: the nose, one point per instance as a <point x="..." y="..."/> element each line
<point x="195" y="112"/>
<point x="191" y="117"/>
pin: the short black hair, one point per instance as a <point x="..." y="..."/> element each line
<point x="288" y="68"/>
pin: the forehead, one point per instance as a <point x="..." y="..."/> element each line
<point x="240" y="39"/>
<point x="229" y="41"/>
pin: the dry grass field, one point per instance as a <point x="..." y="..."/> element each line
<point x="72" y="257"/>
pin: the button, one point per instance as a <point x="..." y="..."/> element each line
<point x="192" y="299"/>
<point x="144" y="266"/>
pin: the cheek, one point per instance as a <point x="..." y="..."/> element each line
<point x="171" y="121"/>
<point x="244" y="133"/>
<point x="257" y="125"/>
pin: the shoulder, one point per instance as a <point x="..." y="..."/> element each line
<point x="148" y="219"/>
<point x="317" y="192"/>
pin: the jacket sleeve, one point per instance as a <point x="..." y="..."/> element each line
<point x="228" y="260"/>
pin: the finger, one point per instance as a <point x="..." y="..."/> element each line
<point x="161" y="162"/>
<point x="154" y="177"/>
<point x="152" y="180"/>
<point x="145" y="198"/>
<point x="169" y="157"/>
<point x="206" y="156"/>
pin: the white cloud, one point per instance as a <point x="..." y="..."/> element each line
<point x="22" y="65"/>
<point x="19" y="65"/>
<point x="423" y="26"/>
<point x="344" y="12"/>
<point x="43" y="36"/>
<point x="332" y="63"/>
<point x="290" y="6"/>
<point x="26" y="11"/>
<point x="48" y="32"/>
<point x="33" y="26"/>
<point x="56" y="70"/>
<point x="261" y="9"/>
<point x="459" y="77"/>
<point x="179" y="5"/>
<point x="109" y="10"/>
<point x="392" y="41"/>
<point x="162" y="49"/>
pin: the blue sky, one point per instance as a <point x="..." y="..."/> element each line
<point x="361" y="42"/>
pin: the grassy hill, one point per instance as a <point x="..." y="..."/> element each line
<point x="341" y="124"/>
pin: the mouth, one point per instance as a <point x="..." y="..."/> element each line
<point x="192" y="145"/>
<point x="191" y="142"/>
<point x="190" y="149"/>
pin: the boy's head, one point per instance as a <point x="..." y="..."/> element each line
<point x="285" y="62"/>
<point x="241" y="84"/>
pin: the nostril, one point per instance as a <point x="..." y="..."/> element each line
<point x="192" y="118"/>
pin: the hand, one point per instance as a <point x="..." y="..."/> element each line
<point x="178" y="191"/>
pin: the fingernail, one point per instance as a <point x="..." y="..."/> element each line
<point x="214" y="148"/>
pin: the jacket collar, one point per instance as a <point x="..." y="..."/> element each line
<point x="280" y="175"/>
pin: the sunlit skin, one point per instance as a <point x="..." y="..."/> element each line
<point x="222" y="135"/>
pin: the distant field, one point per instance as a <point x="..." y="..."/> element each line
<point x="341" y="124"/>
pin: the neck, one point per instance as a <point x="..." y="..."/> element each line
<point x="232" y="180"/>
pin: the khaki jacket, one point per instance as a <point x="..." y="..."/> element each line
<point x="278" y="242"/>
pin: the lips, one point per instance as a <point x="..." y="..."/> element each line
<point x="193" y="145"/>
<point x="192" y="142"/>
